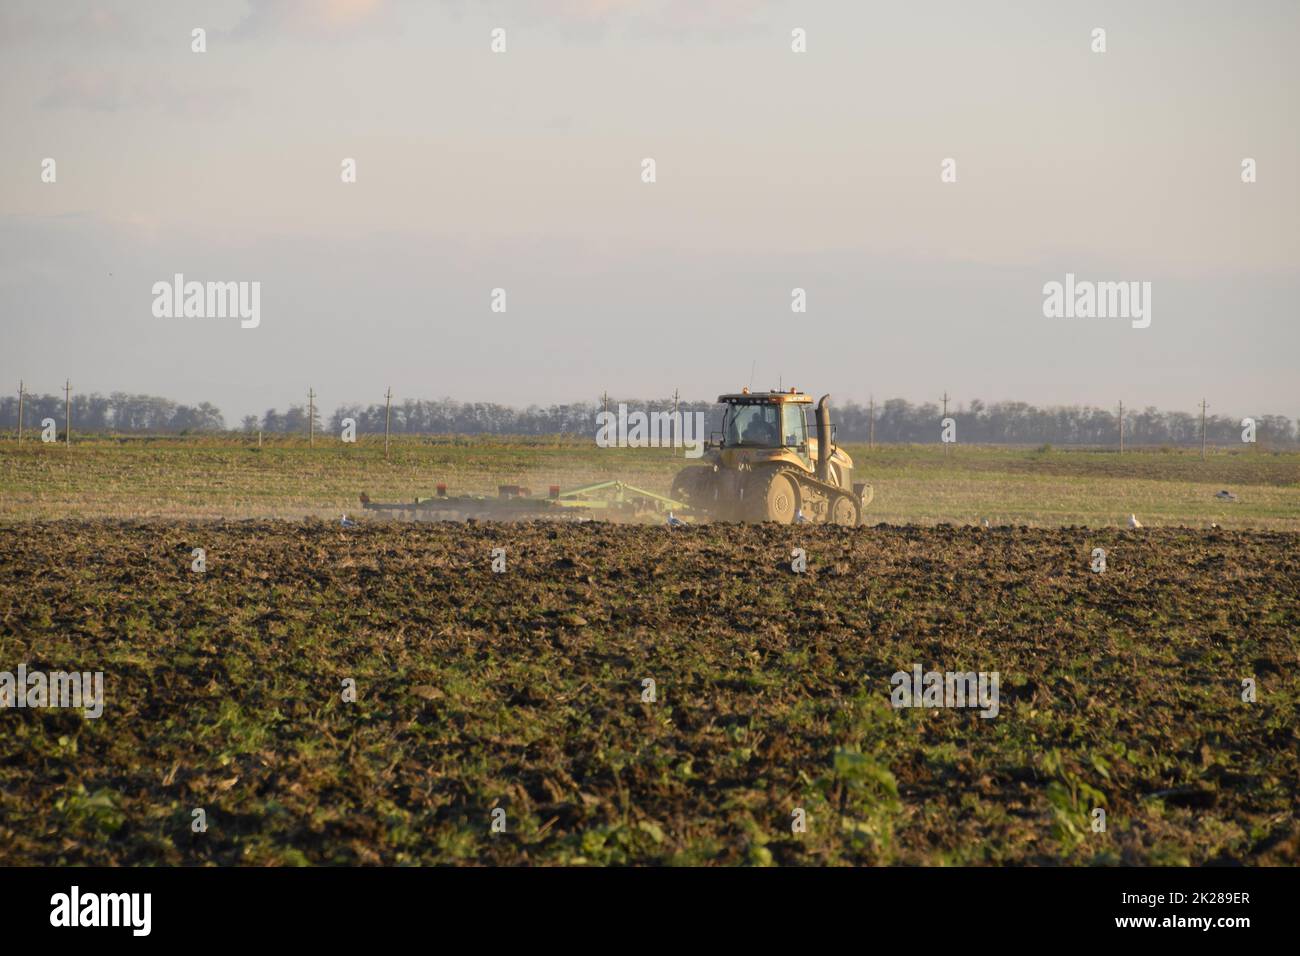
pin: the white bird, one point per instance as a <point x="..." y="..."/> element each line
<point x="986" y="523"/>
<point x="674" y="521"/>
<point x="347" y="522"/>
<point x="1133" y="521"/>
<point x="800" y="517"/>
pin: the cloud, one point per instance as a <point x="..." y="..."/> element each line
<point x="305" y="16"/>
<point x="93" y="90"/>
<point x="647" y="19"/>
<point x="672" y="13"/>
<point x="106" y="91"/>
<point x="87" y="24"/>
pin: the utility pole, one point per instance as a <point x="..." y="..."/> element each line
<point x="676" y="421"/>
<point x="388" y="412"/>
<point x="1204" y="406"/>
<point x="311" y="417"/>
<point x="1121" y="427"/>
<point x="20" y="411"/>
<point x="67" y="412"/>
<point x="947" y="445"/>
<point x="871" y="426"/>
<point x="605" y="400"/>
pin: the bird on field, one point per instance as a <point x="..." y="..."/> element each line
<point x="1133" y="521"/>
<point x="1214" y="526"/>
<point x="347" y="522"/>
<point x="1226" y="495"/>
<point x="800" y="517"/>
<point x="674" y="521"/>
<point x="985" y="523"/>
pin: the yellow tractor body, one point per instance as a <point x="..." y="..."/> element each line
<point x="766" y="466"/>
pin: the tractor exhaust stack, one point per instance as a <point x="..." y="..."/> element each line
<point x="824" y="439"/>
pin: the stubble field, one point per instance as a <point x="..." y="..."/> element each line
<point x="232" y="478"/>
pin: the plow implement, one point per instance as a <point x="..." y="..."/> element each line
<point x="605" y="501"/>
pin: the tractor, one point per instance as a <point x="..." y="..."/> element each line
<point x="764" y="466"/>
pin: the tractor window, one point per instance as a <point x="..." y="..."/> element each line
<point x="753" y="425"/>
<point x="794" y="428"/>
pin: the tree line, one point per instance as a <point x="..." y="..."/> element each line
<point x="118" y="412"/>
<point x="895" y="420"/>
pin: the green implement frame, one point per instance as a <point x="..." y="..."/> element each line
<point x="609" y="500"/>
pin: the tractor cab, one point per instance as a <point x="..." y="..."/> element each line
<point x="765" y="420"/>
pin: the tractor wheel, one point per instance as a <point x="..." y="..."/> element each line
<point x="772" y="496"/>
<point x="845" y="511"/>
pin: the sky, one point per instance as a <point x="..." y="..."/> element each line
<point x="775" y="170"/>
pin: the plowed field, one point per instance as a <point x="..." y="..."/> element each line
<point x="525" y="691"/>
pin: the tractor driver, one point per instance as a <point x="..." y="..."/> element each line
<point x="761" y="429"/>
